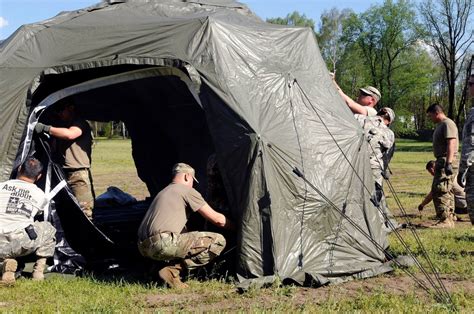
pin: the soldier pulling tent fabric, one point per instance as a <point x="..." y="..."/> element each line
<point x="163" y="236"/>
<point x="20" y="235"/>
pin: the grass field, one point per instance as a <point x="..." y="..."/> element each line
<point x="452" y="251"/>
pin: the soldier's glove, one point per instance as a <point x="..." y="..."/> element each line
<point x="372" y="132"/>
<point x="461" y="178"/>
<point x="420" y="207"/>
<point x="448" y="169"/>
<point x="386" y="174"/>
<point x="42" y="128"/>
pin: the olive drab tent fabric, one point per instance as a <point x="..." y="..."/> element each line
<point x="190" y="78"/>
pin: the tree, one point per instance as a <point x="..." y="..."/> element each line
<point x="293" y="19"/>
<point x="413" y="86"/>
<point x="385" y="34"/>
<point x="464" y="90"/>
<point x="330" y="36"/>
<point x="450" y="34"/>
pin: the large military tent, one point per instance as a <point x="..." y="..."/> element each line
<point x="192" y="77"/>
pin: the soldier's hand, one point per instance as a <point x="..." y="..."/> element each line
<point x="386" y="174"/>
<point x="420" y="207"/>
<point x="42" y="128"/>
<point x="448" y="169"/>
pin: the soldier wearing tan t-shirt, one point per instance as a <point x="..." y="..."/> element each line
<point x="445" y="149"/>
<point x="162" y="234"/>
<point x="73" y="152"/>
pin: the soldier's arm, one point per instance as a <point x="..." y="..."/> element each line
<point x="451" y="149"/>
<point x="467" y="151"/>
<point x="215" y="218"/>
<point x="70" y="133"/>
<point x="388" y="139"/>
<point x="427" y="200"/>
<point x="354" y="106"/>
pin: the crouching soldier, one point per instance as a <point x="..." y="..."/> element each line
<point x="20" y="235"/>
<point x="460" y="204"/>
<point x="162" y="235"/>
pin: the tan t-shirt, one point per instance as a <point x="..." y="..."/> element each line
<point x="170" y="210"/>
<point x="445" y="130"/>
<point x="76" y="154"/>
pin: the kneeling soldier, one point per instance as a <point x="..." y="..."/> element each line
<point x="162" y="234"/>
<point x="20" y="235"/>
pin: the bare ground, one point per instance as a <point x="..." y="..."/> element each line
<point x="298" y="297"/>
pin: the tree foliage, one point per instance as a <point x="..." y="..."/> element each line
<point x="330" y="36"/>
<point x="385" y="35"/>
<point x="412" y="55"/>
<point x="449" y="32"/>
<point x="293" y="19"/>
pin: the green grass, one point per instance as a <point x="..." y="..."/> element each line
<point x="450" y="250"/>
<point x="113" y="165"/>
<point x="73" y="295"/>
<point x="410" y="179"/>
<point x="404" y="145"/>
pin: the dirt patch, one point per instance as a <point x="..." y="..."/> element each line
<point x="172" y="299"/>
<point x="298" y="297"/>
<point x="399" y="285"/>
<point x="426" y="222"/>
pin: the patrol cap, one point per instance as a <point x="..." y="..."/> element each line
<point x="181" y="167"/>
<point x="390" y="113"/>
<point x="372" y="91"/>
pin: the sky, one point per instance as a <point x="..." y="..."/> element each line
<point x="14" y="13"/>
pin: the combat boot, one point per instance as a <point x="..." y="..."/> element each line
<point x="8" y="271"/>
<point x="38" y="269"/>
<point x="170" y="275"/>
<point x="448" y="223"/>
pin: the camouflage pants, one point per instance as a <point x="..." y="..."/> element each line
<point x="459" y="197"/>
<point x="18" y="243"/>
<point x="194" y="249"/>
<point x="388" y="219"/>
<point x="442" y="189"/>
<point x="80" y="181"/>
<point x="470" y="193"/>
<point x="377" y="174"/>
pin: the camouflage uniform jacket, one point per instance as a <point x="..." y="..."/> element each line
<point x="381" y="140"/>
<point x="467" y="151"/>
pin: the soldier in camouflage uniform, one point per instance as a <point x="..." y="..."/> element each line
<point x="381" y="147"/>
<point x="162" y="235"/>
<point x="20" y="235"/>
<point x="466" y="165"/>
<point x="445" y="148"/>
